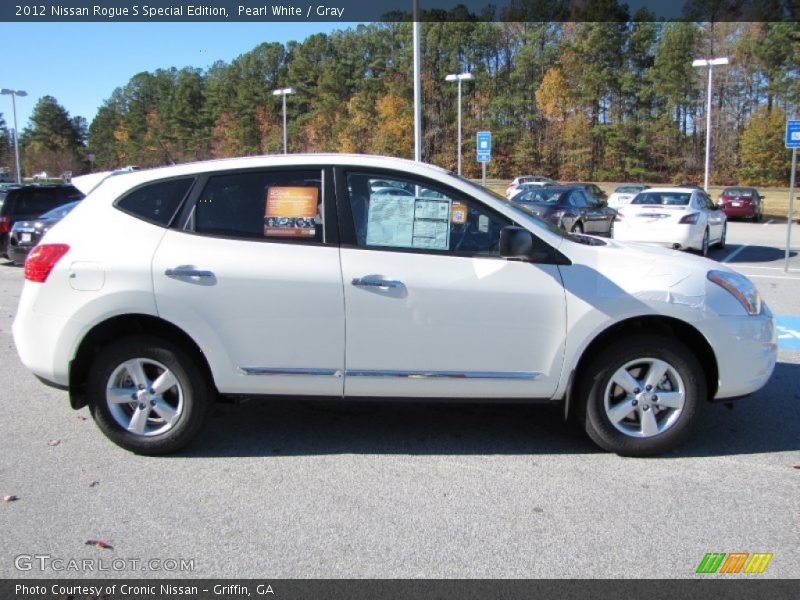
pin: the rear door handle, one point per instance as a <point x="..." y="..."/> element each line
<point x="372" y="281"/>
<point x="187" y="272"/>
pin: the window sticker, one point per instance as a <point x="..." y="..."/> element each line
<point x="432" y="223"/>
<point x="290" y="211"/>
<point x="408" y="222"/>
<point x="483" y="223"/>
<point x="458" y="213"/>
<point x="390" y="221"/>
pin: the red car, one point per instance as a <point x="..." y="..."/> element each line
<point x="742" y="202"/>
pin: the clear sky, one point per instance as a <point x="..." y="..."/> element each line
<point x="80" y="64"/>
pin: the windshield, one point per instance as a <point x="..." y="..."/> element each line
<point x="629" y="189"/>
<point x="59" y="212"/>
<point x="737" y="192"/>
<point x="663" y="198"/>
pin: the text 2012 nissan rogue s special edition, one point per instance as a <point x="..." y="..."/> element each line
<point x="370" y="277"/>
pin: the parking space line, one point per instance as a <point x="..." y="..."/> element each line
<point x="746" y="266"/>
<point x="735" y="253"/>
<point x="773" y="277"/>
<point x="768" y="222"/>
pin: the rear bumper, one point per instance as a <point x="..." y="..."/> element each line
<point x="683" y="236"/>
<point x="739" y="211"/>
<point x="17" y="253"/>
<point x="45" y="342"/>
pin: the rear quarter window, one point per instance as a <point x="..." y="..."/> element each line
<point x="156" y="202"/>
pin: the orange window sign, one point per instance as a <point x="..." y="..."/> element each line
<point x="291" y="211"/>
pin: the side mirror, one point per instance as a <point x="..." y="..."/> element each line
<point x="515" y="242"/>
<point x="760" y="197"/>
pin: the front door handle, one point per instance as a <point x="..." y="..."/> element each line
<point x="379" y="282"/>
<point x="188" y="272"/>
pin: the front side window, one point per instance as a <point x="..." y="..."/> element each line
<point x="264" y="205"/>
<point x="407" y="215"/>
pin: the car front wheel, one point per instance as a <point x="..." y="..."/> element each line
<point x="642" y="395"/>
<point x="148" y="395"/>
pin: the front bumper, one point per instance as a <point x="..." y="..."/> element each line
<point x="746" y="348"/>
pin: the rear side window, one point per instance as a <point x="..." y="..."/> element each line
<point x="266" y="205"/>
<point x="156" y="202"/>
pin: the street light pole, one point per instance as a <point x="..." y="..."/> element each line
<point x="14" y="94"/>
<point x="417" y="85"/>
<point x="284" y="92"/>
<point x="459" y="78"/>
<point x="710" y="64"/>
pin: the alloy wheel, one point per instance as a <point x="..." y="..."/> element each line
<point x="144" y="397"/>
<point x="644" y="397"/>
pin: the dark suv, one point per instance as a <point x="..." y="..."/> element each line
<point x="28" y="202"/>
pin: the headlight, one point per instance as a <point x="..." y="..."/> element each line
<point x="740" y="287"/>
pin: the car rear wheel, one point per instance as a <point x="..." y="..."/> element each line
<point x="704" y="243"/>
<point x="721" y="242"/>
<point x="148" y="395"/>
<point x="642" y="395"/>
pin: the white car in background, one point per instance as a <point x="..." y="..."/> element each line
<point x="192" y="286"/>
<point x="532" y="180"/>
<point x="679" y="218"/>
<point x="623" y="194"/>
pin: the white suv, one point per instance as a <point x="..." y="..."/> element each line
<point x="295" y="275"/>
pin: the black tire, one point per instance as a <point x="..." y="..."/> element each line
<point x="722" y="240"/>
<point x="704" y="244"/>
<point x="197" y="394"/>
<point x="577" y="227"/>
<point x="596" y="378"/>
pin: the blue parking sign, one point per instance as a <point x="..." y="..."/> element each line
<point x="484" y="148"/>
<point x="793" y="134"/>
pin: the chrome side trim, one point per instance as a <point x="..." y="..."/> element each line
<point x="290" y="371"/>
<point x="529" y="375"/>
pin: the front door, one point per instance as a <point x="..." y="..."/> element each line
<point x="432" y="310"/>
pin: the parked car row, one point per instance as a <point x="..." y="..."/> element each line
<point x="27" y="203"/>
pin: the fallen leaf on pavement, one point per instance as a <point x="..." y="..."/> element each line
<point x="99" y="544"/>
<point x="94" y="483"/>
<point x="10" y="498"/>
<point x="795" y="465"/>
<point x="53" y="442"/>
<point x="81" y="418"/>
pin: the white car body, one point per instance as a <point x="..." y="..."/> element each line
<point x="279" y="318"/>
<point x="662" y="224"/>
<point x="532" y="180"/>
<point x="618" y="198"/>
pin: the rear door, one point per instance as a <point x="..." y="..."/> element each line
<point x="253" y="274"/>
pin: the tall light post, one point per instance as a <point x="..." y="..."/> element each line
<point x="459" y="78"/>
<point x="14" y="94"/>
<point x="710" y="63"/>
<point x="284" y="92"/>
<point x="417" y="85"/>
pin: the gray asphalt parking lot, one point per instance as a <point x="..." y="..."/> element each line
<point x="309" y="489"/>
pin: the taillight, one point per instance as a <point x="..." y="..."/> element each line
<point x="689" y="219"/>
<point x="41" y="261"/>
<point x="5" y="224"/>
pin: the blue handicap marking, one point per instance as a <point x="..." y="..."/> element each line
<point x="788" y="329"/>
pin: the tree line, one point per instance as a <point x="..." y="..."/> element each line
<point x="612" y="100"/>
